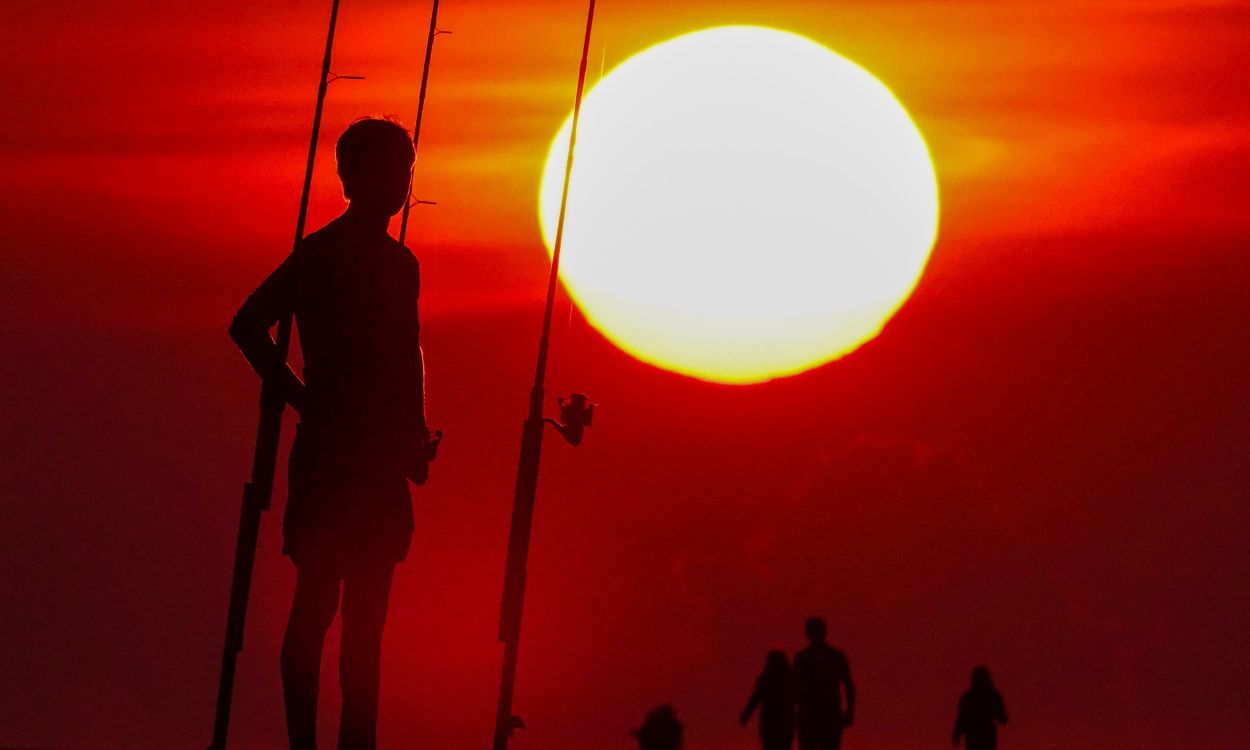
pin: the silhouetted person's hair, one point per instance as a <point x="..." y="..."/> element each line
<point x="375" y="159"/>
<point x="816" y="630"/>
<point x="981" y="710"/>
<point x="661" y="730"/>
<point x="776" y="663"/>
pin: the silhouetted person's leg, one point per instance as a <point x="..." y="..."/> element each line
<point x="820" y="737"/>
<point x="316" y="600"/>
<point x="776" y="741"/>
<point x="365" y="597"/>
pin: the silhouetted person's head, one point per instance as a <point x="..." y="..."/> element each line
<point x="375" y="160"/>
<point x="981" y="682"/>
<point x="776" y="663"/>
<point x="815" y="630"/>
<point x="661" y="731"/>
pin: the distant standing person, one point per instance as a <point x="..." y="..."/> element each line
<point x="661" y="730"/>
<point x="772" y="696"/>
<point x="821" y="676"/>
<point x="981" y="710"/>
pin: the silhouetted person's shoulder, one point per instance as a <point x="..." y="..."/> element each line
<point x="822" y="657"/>
<point x="344" y="236"/>
<point x="820" y="651"/>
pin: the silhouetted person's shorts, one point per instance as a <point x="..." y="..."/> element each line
<point x="349" y="507"/>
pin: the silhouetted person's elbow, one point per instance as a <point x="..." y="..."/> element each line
<point x="250" y="332"/>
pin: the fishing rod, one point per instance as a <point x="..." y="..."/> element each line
<point x="259" y="491"/>
<point x="416" y="127"/>
<point x="575" y="414"/>
<point x="435" y="437"/>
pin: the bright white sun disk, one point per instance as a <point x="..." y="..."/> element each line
<point x="745" y="204"/>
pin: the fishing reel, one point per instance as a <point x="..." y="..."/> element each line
<point x="576" y="413"/>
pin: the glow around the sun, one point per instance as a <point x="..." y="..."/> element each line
<point x="745" y="204"/>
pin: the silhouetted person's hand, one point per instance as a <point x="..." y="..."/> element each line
<point x="422" y="454"/>
<point x="281" y="382"/>
<point x="849" y="719"/>
<point x="291" y="388"/>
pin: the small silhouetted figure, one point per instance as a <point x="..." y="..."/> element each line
<point x="353" y="291"/>
<point x="981" y="710"/>
<point x="772" y="695"/>
<point x="820" y="670"/>
<point x="661" y="730"/>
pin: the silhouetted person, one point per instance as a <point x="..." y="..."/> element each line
<point x="661" y="730"/>
<point x="353" y="290"/>
<point x="820" y="670"/>
<point x="981" y="710"/>
<point x="773" y="696"/>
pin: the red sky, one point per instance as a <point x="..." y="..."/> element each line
<point x="1041" y="463"/>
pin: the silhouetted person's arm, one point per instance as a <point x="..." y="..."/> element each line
<point x="250" y="331"/>
<point x="413" y="405"/>
<point x="958" y="732"/>
<point x="756" y="696"/>
<point x="1000" y="710"/>
<point x="849" y="686"/>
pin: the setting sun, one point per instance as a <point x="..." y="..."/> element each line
<point x="745" y="204"/>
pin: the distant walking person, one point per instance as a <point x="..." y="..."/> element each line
<point x="661" y="730"/>
<point x="821" y="675"/>
<point x="772" y="695"/>
<point x="981" y="710"/>
<point x="353" y="290"/>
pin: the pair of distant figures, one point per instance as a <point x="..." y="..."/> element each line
<point x="814" y="699"/>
